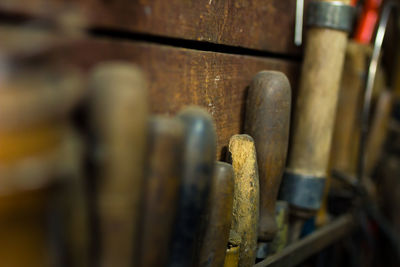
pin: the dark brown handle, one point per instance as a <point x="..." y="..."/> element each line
<point x="197" y="172"/>
<point x="218" y="218"/>
<point x="267" y="121"/>
<point x="163" y="177"/>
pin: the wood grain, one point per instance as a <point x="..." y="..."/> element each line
<point x="256" y="24"/>
<point x="179" y="77"/>
<point x="315" y="108"/>
<point x="246" y="196"/>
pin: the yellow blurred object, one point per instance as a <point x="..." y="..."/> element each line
<point x="28" y="142"/>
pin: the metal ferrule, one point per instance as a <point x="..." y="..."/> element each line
<point x="302" y="191"/>
<point x="332" y="15"/>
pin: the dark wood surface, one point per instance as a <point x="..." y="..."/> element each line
<point x="179" y="77"/>
<point x="257" y="24"/>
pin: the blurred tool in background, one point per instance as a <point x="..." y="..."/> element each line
<point x="197" y="174"/>
<point x="213" y="240"/>
<point x="119" y="111"/>
<point x="345" y="139"/>
<point x="161" y="194"/>
<point x="34" y="158"/>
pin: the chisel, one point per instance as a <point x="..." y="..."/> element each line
<point x="119" y="125"/>
<point x="197" y="171"/>
<point x="218" y="217"/>
<point x="163" y="177"/>
<point x="314" y="114"/>
<point x="267" y="121"/>
<point x="242" y="154"/>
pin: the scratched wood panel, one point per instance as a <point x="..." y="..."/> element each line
<point x="179" y="77"/>
<point x="257" y="24"/>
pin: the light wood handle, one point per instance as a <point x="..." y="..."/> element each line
<point x="314" y="117"/>
<point x="119" y="116"/>
<point x="246" y="196"/>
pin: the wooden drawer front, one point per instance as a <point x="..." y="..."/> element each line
<point x="180" y="77"/>
<point x="257" y="24"/>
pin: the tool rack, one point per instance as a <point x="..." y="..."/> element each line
<point x="192" y="52"/>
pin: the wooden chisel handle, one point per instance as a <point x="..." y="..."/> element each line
<point x="197" y="172"/>
<point x="312" y="128"/>
<point x="246" y="196"/>
<point x="267" y="121"/>
<point x="163" y="178"/>
<point x="119" y="117"/>
<point x="218" y="217"/>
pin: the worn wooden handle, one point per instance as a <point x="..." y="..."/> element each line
<point x="119" y="117"/>
<point x="267" y="121"/>
<point x="246" y="196"/>
<point x="163" y="178"/>
<point x="314" y="113"/>
<point x="218" y="217"/>
<point x="197" y="172"/>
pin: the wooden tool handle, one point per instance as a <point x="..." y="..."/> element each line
<point x="267" y="121"/>
<point x="345" y="139"/>
<point x="378" y="131"/>
<point x="119" y="116"/>
<point x="218" y="218"/>
<point x="314" y="117"/>
<point x="163" y="178"/>
<point x="316" y="102"/>
<point x="246" y="196"/>
<point x="347" y="126"/>
<point x="197" y="172"/>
